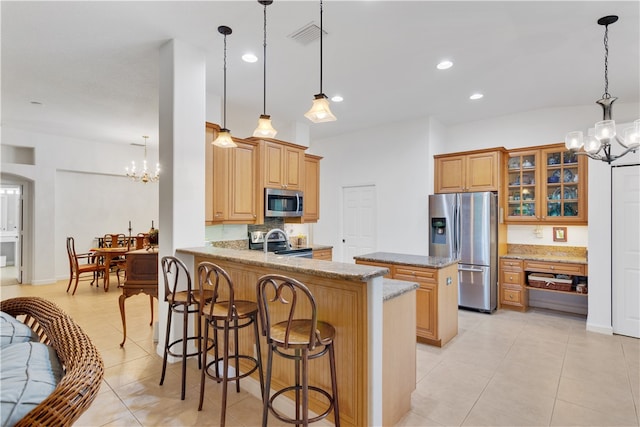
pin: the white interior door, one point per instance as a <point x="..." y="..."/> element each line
<point x="625" y="245"/>
<point x="358" y="221"/>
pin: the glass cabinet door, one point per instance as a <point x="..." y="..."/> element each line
<point x="562" y="185"/>
<point x="522" y="196"/>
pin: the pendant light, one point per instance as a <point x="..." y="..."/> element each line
<point x="264" y="129"/>
<point x="224" y="136"/>
<point x="320" y="112"/>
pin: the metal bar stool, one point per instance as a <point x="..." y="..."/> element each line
<point x="288" y="314"/>
<point x="183" y="299"/>
<point x="225" y="313"/>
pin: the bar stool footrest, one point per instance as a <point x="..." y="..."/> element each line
<point x="286" y="419"/>
<point x="211" y="372"/>
<point x="195" y="353"/>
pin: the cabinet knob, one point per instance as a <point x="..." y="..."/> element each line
<point x="552" y="267"/>
<point x="510" y="296"/>
<point x="510" y="277"/>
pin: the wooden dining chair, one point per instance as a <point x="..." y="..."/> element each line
<point x="81" y="263"/>
<point x="117" y="240"/>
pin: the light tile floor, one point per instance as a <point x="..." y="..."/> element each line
<point x="506" y="369"/>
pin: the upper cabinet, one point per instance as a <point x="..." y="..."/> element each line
<point x="283" y="165"/>
<point x="546" y="184"/>
<point x="230" y="181"/>
<point x="311" y="203"/>
<point x="468" y="172"/>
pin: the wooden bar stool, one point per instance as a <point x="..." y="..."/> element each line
<point x="288" y="314"/>
<point x="185" y="300"/>
<point x="227" y="314"/>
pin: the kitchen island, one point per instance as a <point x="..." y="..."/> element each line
<point x="357" y="301"/>
<point x="437" y="297"/>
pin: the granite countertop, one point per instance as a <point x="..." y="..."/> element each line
<point x="328" y="269"/>
<point x="405" y="259"/>
<point x="393" y="288"/>
<point x="547" y="257"/>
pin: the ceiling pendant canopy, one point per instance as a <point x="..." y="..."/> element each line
<point x="224" y="136"/>
<point x="320" y="111"/>
<point x="265" y="128"/>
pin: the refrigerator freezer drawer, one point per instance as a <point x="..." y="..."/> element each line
<point x="476" y="289"/>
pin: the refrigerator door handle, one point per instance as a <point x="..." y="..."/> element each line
<point x="474" y="270"/>
<point x="457" y="230"/>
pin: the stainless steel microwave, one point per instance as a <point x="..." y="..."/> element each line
<point x="282" y="203"/>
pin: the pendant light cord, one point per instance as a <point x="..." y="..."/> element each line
<point x="264" y="64"/>
<point x="321" y="46"/>
<point x="606" y="63"/>
<point x="224" y="94"/>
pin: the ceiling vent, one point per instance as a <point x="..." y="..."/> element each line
<point x="307" y="34"/>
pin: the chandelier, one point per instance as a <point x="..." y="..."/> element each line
<point x="144" y="176"/>
<point x="597" y="144"/>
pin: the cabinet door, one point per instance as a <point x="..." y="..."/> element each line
<point x="324" y="254"/>
<point x="274" y="159"/>
<point x="523" y="201"/>
<point x="220" y="199"/>
<point x="293" y="170"/>
<point x="242" y="183"/>
<point x="311" y="203"/>
<point x="449" y="173"/>
<point x="482" y="171"/>
<point x="426" y="311"/>
<point x="210" y="134"/>
<point x="563" y="186"/>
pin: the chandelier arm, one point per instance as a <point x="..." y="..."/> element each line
<point x="621" y="141"/>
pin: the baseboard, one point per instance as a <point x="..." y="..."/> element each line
<point x="607" y="330"/>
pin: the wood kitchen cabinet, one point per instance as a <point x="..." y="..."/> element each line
<point x="324" y="254"/>
<point x="283" y="164"/>
<point x="311" y="202"/>
<point x="230" y="181"/>
<point x="545" y="184"/>
<point x="436" y="299"/>
<point x="469" y="171"/>
<point x="513" y="293"/>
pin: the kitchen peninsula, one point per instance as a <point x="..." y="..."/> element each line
<point x="370" y="313"/>
<point x="437" y="297"/>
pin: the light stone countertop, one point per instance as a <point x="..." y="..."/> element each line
<point x="405" y="259"/>
<point x="547" y="257"/>
<point x="393" y="288"/>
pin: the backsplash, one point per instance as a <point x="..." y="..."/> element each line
<point x="568" y="251"/>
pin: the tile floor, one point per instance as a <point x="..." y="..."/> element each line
<point x="506" y="369"/>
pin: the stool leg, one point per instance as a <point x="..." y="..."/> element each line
<point x="305" y="387"/>
<point x="267" y="386"/>
<point x="334" y="386"/>
<point x="203" y="370"/>
<point x="225" y="374"/>
<point x="185" y="324"/>
<point x="166" y="344"/>
<point x="237" y="357"/>
<point x="258" y="354"/>
<point x="297" y="380"/>
<point x="199" y="335"/>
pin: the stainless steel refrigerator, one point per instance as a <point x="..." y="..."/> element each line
<point x="465" y="226"/>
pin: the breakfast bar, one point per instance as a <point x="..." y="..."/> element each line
<point x="370" y="314"/>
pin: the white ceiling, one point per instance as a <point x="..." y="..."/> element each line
<point x="94" y="65"/>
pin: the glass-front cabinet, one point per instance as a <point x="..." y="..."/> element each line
<point x="548" y="184"/>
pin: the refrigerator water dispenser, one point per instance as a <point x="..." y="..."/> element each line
<point x="438" y="231"/>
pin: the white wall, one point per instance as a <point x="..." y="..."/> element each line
<point x="396" y="159"/>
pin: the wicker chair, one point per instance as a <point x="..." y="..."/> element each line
<point x="82" y="363"/>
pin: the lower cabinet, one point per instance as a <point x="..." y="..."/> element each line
<point x="436" y="299"/>
<point x="513" y="293"/>
<point x="324" y="254"/>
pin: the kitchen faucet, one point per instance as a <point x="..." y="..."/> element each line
<point x="266" y="238"/>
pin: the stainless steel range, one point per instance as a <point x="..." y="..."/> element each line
<point x="277" y="243"/>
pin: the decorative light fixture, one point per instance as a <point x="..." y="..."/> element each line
<point x="264" y="129"/>
<point x="605" y="130"/>
<point x="145" y="176"/>
<point x="224" y="136"/>
<point x="320" y="111"/>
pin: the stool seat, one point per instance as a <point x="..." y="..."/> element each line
<point x="220" y="310"/>
<point x="299" y="332"/>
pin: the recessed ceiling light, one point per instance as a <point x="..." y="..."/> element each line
<point x="476" y="96"/>
<point x="444" y="65"/>
<point x="337" y="98"/>
<point x="249" y="57"/>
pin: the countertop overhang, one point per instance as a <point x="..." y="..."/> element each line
<point x="547" y="257"/>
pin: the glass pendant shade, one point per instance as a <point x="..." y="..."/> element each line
<point x="574" y="140"/>
<point x="592" y="145"/>
<point x="265" y="129"/>
<point x="632" y="135"/>
<point x="320" y="111"/>
<point x="224" y="139"/>
<point x="605" y="129"/>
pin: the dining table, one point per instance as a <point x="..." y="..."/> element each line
<point x="109" y="254"/>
